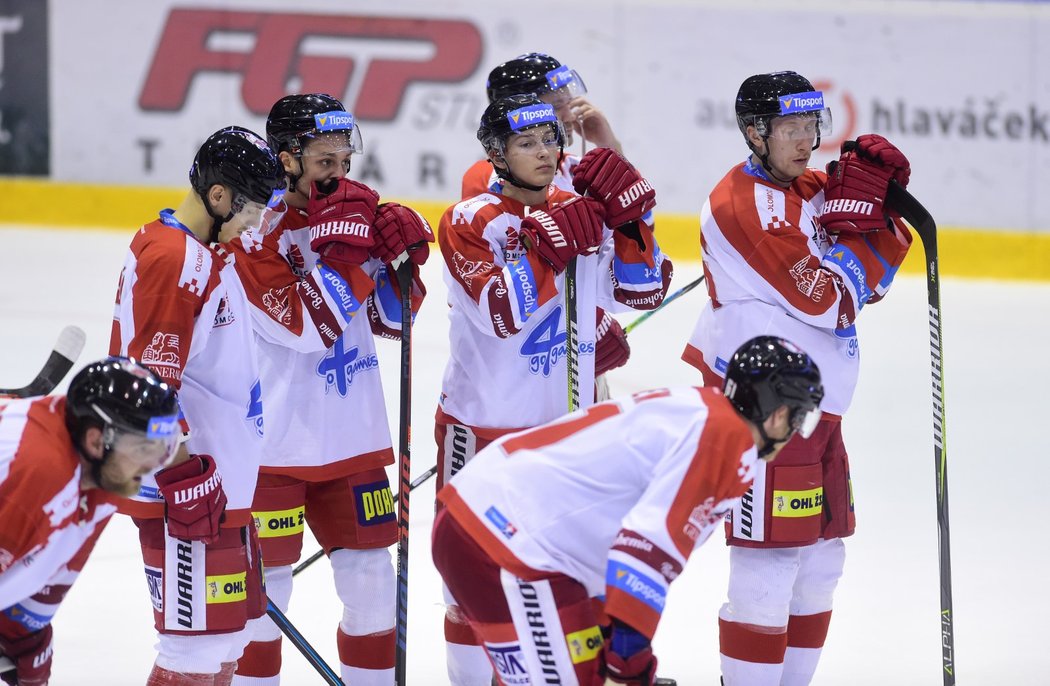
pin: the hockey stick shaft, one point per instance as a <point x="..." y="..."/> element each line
<point x="668" y="300"/>
<point x="419" y="480"/>
<point x="404" y="281"/>
<point x="67" y="349"/>
<point x="916" y="215"/>
<point x="300" y="642"/>
<point x="572" y="337"/>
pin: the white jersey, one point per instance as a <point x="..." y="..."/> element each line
<point x="616" y="496"/>
<point x="507" y="311"/>
<point x="182" y="312"/>
<point x="326" y="416"/>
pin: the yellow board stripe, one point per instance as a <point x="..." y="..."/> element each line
<point x="965" y="252"/>
<point x="798" y="503"/>
<point x="225" y="588"/>
<point x="278" y="523"/>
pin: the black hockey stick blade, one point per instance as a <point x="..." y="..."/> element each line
<point x="67" y="349"/>
<point x="299" y="641"/>
<point x="404" y="282"/>
<point x="912" y="211"/>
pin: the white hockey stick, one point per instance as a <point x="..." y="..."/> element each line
<point x="67" y="349"/>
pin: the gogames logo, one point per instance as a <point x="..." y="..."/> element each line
<point x="283" y="47"/>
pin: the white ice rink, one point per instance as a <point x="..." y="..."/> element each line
<point x="886" y="627"/>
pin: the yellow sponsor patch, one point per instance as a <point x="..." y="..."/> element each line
<point x="280" y="522"/>
<point x="585" y="644"/>
<point x="225" y="588"/>
<point x="798" y="503"/>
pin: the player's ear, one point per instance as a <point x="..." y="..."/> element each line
<point x="91" y="443"/>
<point x="496" y="158"/>
<point x="289" y="162"/>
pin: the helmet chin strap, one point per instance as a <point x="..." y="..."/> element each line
<point x="770" y="444"/>
<point x="216" y="220"/>
<point x="765" y="161"/>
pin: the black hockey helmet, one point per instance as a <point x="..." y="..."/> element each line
<point x="763" y="97"/>
<point x="294" y="119"/>
<point x="512" y="115"/>
<point x="242" y="161"/>
<point x="767" y="372"/>
<point x="120" y="395"/>
<point x="536" y="73"/>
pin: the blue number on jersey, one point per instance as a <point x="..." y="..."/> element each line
<point x="545" y="344"/>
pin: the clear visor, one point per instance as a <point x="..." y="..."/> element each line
<point x="797" y="127"/>
<point x="151" y="453"/>
<point x="565" y="84"/>
<point x="259" y="218"/>
<point x="805" y="423"/>
<point x="550" y="135"/>
<point x="318" y="143"/>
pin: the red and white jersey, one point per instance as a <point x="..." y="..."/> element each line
<point x="616" y="496"/>
<point x="181" y="311"/>
<point x="325" y="414"/>
<point x="766" y="258"/>
<point x="481" y="177"/>
<point x="48" y="521"/>
<point x="507" y="311"/>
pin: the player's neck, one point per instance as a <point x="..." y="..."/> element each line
<point x="193" y="216"/>
<point x="525" y="196"/>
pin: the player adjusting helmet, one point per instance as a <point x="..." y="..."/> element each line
<point x="767" y="372"/>
<point x="514" y="115"/>
<point x="533" y="73"/>
<point x="242" y="161"/>
<point x="120" y="396"/>
<point x="764" y="97"/>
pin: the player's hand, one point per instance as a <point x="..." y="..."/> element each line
<point x="858" y="181"/>
<point x="606" y="175"/>
<point x="32" y="657"/>
<point x="341" y="213"/>
<point x="400" y="229"/>
<point x="591" y="123"/>
<point x="194" y="502"/>
<point x="565" y="231"/>
<point x="611" y="349"/>
<point x="637" y="670"/>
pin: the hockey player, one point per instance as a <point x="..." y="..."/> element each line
<point x="505" y="255"/>
<point x="563" y="88"/>
<point x="62" y="461"/>
<point x="609" y="501"/>
<point x="182" y="311"/>
<point x="790" y="252"/>
<point x="327" y="440"/>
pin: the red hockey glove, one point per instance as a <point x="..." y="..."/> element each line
<point x="611" y="349"/>
<point x="609" y="177"/>
<point x="194" y="502"/>
<point x="857" y="184"/>
<point x="399" y="228"/>
<point x="32" y="657"/>
<point x="569" y="229"/>
<point x="341" y="215"/>
<point x="637" y="670"/>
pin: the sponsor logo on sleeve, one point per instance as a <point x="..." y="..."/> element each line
<point x="33" y="621"/>
<point x="635" y="584"/>
<point x="162" y="355"/>
<point x="374" y="502"/>
<point x="501" y="523"/>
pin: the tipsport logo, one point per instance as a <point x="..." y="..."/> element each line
<point x="530" y="115"/>
<point x="810" y="101"/>
<point x="334" y="121"/>
<point x="339" y="366"/>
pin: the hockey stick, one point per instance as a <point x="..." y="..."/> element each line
<point x="404" y="488"/>
<point x="412" y="486"/>
<point x="6" y="665"/>
<point x="300" y="642"/>
<point x="916" y="215"/>
<point x="671" y="298"/>
<point x="572" y="345"/>
<point x="67" y="349"/>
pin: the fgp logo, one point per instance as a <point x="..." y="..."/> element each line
<point x="339" y="365"/>
<point x="291" y="47"/>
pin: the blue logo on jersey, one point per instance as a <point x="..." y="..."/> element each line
<point x="545" y="344"/>
<point x="501" y="522"/>
<point x="255" y="409"/>
<point x="524" y="282"/>
<point x="339" y="365"/>
<point x="636" y="584"/>
<point x="27" y="618"/>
